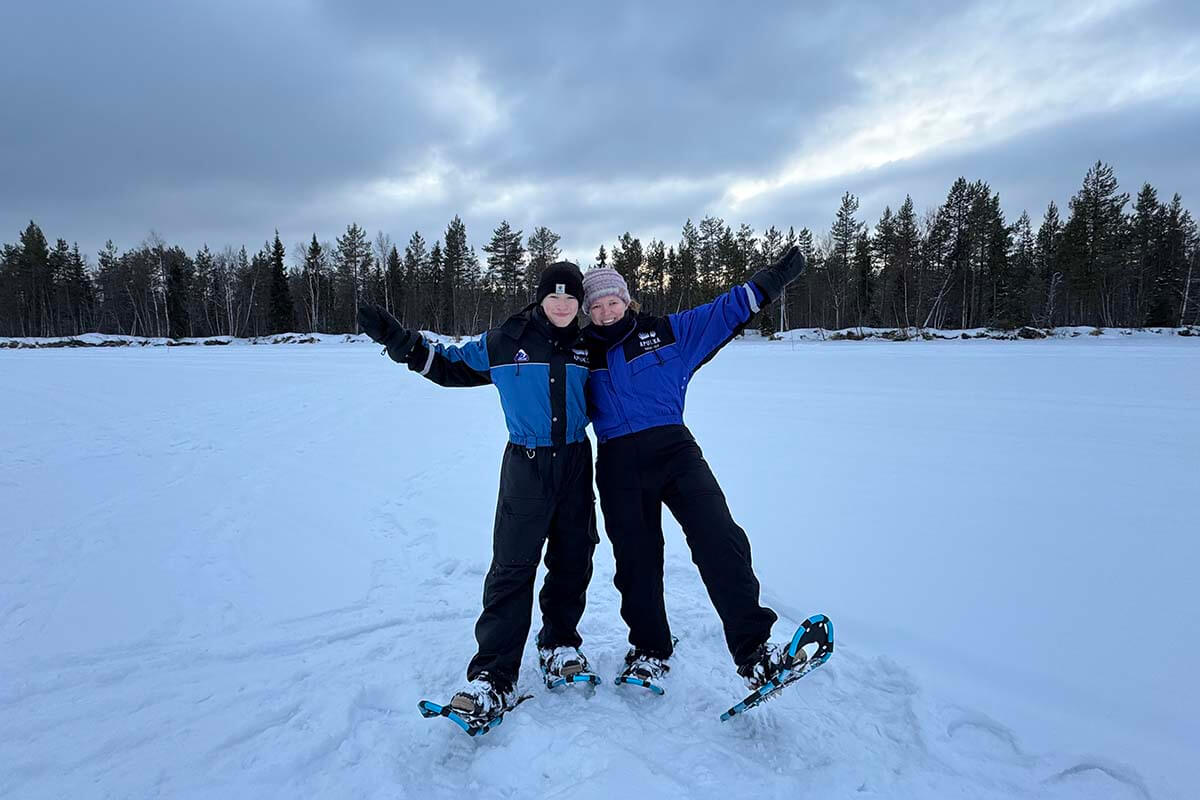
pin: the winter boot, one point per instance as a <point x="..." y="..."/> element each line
<point x="561" y="663"/>
<point x="642" y="668"/>
<point x="768" y="661"/>
<point x="483" y="697"/>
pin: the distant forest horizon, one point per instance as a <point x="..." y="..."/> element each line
<point x="1108" y="260"/>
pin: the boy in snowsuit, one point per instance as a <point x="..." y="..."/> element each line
<point x="545" y="479"/>
<point x="640" y="369"/>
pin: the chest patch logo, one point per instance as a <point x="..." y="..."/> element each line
<point x="521" y="355"/>
<point x="649" y="341"/>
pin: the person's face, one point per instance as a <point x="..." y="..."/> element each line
<point x="560" y="309"/>
<point x="607" y="310"/>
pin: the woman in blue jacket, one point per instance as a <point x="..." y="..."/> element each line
<point x="640" y="368"/>
<point x="545" y="480"/>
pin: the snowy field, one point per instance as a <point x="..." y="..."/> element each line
<point x="232" y="572"/>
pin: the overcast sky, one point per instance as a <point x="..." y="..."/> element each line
<point x="217" y="122"/>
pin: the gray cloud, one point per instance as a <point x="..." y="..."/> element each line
<point x="218" y="122"/>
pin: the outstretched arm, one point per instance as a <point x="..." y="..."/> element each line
<point x="704" y="330"/>
<point x="451" y="364"/>
<point x="446" y="365"/>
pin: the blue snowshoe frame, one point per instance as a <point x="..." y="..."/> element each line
<point x="470" y="726"/>
<point x="588" y="678"/>
<point x="819" y="629"/>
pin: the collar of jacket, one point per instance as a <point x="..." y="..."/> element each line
<point x="514" y="327"/>
<point x="608" y="337"/>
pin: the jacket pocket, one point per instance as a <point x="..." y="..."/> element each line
<point x="662" y="357"/>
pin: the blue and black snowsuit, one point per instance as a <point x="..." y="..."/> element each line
<point x="545" y="481"/>
<point x="640" y="369"/>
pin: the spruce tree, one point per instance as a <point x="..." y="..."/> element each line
<point x="1171" y="278"/>
<point x="416" y="268"/>
<point x="542" y="247"/>
<point x="627" y="260"/>
<point x="1048" y="275"/>
<point x="60" y="310"/>
<point x="314" y="280"/>
<point x="863" y="278"/>
<point x="352" y="261"/>
<point x="35" y="283"/>
<point x="654" y="287"/>
<point x="454" y="267"/>
<point x="839" y="267"/>
<point x="202" y="306"/>
<point x="1016" y="311"/>
<point x="282" y="314"/>
<point x="434" y="278"/>
<point x="394" y="282"/>
<point x="1092" y="247"/>
<point x="1147" y="231"/>
<point x="506" y="261"/>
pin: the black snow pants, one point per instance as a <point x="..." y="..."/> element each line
<point x="636" y="474"/>
<point x="545" y="498"/>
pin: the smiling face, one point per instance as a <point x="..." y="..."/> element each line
<point x="560" y="309"/>
<point x="607" y="310"/>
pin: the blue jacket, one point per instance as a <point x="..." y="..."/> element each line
<point x="540" y="377"/>
<point x="640" y="381"/>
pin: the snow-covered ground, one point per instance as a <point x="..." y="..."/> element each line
<point x="233" y="571"/>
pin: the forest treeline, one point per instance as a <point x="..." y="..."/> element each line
<point x="1106" y="261"/>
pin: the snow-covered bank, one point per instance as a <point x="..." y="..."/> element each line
<point x="234" y="570"/>
<point x="797" y="335"/>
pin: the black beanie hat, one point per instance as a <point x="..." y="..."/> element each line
<point x="561" y="277"/>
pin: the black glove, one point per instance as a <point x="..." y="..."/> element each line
<point x="382" y="327"/>
<point x="772" y="279"/>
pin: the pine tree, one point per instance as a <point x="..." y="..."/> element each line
<point x="1016" y="310"/>
<point x="180" y="272"/>
<point x="684" y="280"/>
<point x="506" y="261"/>
<point x="454" y="268"/>
<point x="352" y="261"/>
<point x="60" y="310"/>
<point x="542" y="247"/>
<point x="111" y="300"/>
<point x="1048" y="274"/>
<point x="315" y="280"/>
<point x="10" y="297"/>
<point x="884" y="244"/>
<point x="394" y="282"/>
<point x="838" y="268"/>
<point x="202" y="305"/>
<point x="1147" y="231"/>
<point x="655" y="286"/>
<point x="1092" y="247"/>
<point x="281" y="314"/>
<point x="35" y="283"/>
<point x="433" y="282"/>
<point x="907" y="258"/>
<point x="627" y="260"/>
<point x="1166" y="306"/>
<point x="416" y="268"/>
<point x="709" y="269"/>
<point x="863" y="278"/>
